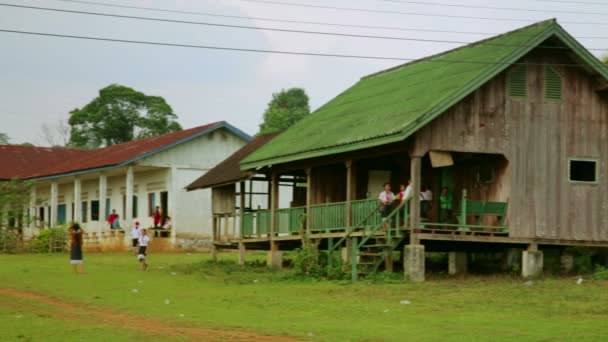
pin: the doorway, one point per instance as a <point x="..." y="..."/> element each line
<point x="164" y="206"/>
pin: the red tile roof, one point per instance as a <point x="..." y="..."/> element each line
<point x="32" y="162"/>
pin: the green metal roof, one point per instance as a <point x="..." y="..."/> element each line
<point x="391" y="105"/>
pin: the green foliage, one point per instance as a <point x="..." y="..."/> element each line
<point x="601" y="273"/>
<point x="52" y="240"/>
<point x="120" y="114"/>
<point x="9" y="240"/>
<point x="4" y="139"/>
<point x="285" y="109"/>
<point x="14" y="197"/>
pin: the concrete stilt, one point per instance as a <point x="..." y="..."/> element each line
<point x="567" y="262"/>
<point x="457" y="263"/>
<point x="241" y="254"/>
<point x="274" y="257"/>
<point x="413" y="262"/>
<point x="532" y="262"/>
<point x="214" y="253"/>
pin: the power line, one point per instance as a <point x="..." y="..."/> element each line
<point x="446" y="4"/>
<point x="319" y="23"/>
<point x="369" y="10"/>
<point x="574" y="2"/>
<point x="274" y="29"/>
<point x="282" y="52"/>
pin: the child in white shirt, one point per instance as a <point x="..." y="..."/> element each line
<point x="144" y="239"/>
<point x="135" y="237"/>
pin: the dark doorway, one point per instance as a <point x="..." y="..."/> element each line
<point x="164" y="206"/>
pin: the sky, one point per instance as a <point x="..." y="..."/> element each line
<point x="43" y="78"/>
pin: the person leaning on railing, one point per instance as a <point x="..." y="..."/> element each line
<point x="445" y="205"/>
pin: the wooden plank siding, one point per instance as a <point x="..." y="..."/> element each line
<point x="537" y="137"/>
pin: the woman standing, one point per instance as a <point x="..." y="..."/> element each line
<point x="76" y="248"/>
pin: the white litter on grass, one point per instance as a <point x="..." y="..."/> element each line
<point x="385" y="310"/>
<point x="579" y="280"/>
<point x="405" y="302"/>
<point x="188" y="253"/>
<point x="135" y="290"/>
<point x="167" y="301"/>
<point x="140" y="281"/>
<point x="529" y="283"/>
<point x="173" y="273"/>
<point x="310" y="334"/>
<point x="19" y="316"/>
<point x="181" y="315"/>
<point x="161" y="267"/>
<point x="255" y="281"/>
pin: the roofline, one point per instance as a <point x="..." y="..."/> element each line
<point x="213" y="127"/>
<point x="217" y="185"/>
<point x="554" y="29"/>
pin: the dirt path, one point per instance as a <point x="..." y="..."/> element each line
<point x="145" y="325"/>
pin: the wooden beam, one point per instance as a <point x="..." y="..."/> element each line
<point x="416" y="177"/>
<point x="308" y="198"/>
<point x="274" y="202"/>
<point x="350" y="191"/>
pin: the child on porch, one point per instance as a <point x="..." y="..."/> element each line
<point x="135" y="233"/>
<point x="386" y="199"/>
<point x="113" y="220"/>
<point x="144" y="239"/>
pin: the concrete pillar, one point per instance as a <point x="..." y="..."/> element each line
<point x="242" y="205"/>
<point x="532" y="263"/>
<point x="173" y="207"/>
<point x="274" y="257"/>
<point x="241" y="253"/>
<point x="128" y="215"/>
<point x="77" y="200"/>
<point x="54" y="196"/>
<point x="416" y="177"/>
<point x="457" y="263"/>
<point x="103" y="193"/>
<point x="567" y="262"/>
<point x="274" y="203"/>
<point x="413" y="263"/>
<point x="33" y="209"/>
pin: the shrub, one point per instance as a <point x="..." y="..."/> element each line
<point x="52" y="240"/>
<point x="9" y="240"/>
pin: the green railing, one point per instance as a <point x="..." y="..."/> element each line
<point x="361" y="210"/>
<point x="247" y="224"/>
<point x="290" y="220"/>
<point x="262" y="222"/>
<point x="326" y="217"/>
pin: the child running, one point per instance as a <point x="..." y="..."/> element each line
<point x="143" y="245"/>
<point x="135" y="237"/>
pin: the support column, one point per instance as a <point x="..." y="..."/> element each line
<point x="532" y="262"/>
<point x="33" y="209"/>
<point x="173" y="207"/>
<point x="128" y="215"/>
<point x="103" y="193"/>
<point x="274" y="203"/>
<point x="308" y="199"/>
<point x="77" y="200"/>
<point x="274" y="258"/>
<point x="457" y="263"/>
<point x="567" y="262"/>
<point x="242" y="210"/>
<point x="54" y="196"/>
<point x="416" y="178"/>
<point x="350" y="191"/>
<point x="413" y="263"/>
<point x="241" y="253"/>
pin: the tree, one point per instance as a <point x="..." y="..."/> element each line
<point x="120" y="114"/>
<point x="4" y="139"/>
<point x="58" y="134"/>
<point x="286" y="108"/>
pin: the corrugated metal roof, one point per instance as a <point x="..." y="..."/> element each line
<point x="389" y="106"/>
<point x="229" y="170"/>
<point x="27" y="162"/>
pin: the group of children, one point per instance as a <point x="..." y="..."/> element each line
<point x="387" y="199"/>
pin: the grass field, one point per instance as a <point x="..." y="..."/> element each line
<point x="184" y="297"/>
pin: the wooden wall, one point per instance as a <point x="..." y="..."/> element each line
<point x="537" y="137"/>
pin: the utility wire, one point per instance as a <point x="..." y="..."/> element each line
<point x="446" y="4"/>
<point x="574" y="2"/>
<point x="369" y="10"/>
<point x="282" y="52"/>
<point x="277" y="29"/>
<point x="320" y="23"/>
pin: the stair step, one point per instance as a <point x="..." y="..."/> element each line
<point x="376" y="246"/>
<point x="370" y="254"/>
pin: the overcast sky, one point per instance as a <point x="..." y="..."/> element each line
<point x="43" y="78"/>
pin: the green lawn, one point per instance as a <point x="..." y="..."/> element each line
<point x="226" y="297"/>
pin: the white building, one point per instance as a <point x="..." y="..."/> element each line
<point x="86" y="185"/>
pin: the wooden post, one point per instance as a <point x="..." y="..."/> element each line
<point x="308" y="199"/>
<point x="242" y="204"/>
<point x="350" y="191"/>
<point x="241" y="253"/>
<point x="274" y="203"/>
<point x="353" y="259"/>
<point x="103" y="190"/>
<point x="416" y="177"/>
<point x="54" y="197"/>
<point x="128" y="216"/>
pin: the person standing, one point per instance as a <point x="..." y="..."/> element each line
<point x="386" y="199"/>
<point x="144" y="239"/>
<point x="135" y="233"/>
<point x="156" y="216"/>
<point x="426" y="200"/>
<point x="114" y="220"/>
<point x="408" y="192"/>
<point x="445" y="205"/>
<point x="76" y="248"/>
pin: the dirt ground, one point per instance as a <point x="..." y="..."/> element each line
<point x="115" y="319"/>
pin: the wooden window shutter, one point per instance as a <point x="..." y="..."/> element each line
<point x="517" y="81"/>
<point x="553" y="84"/>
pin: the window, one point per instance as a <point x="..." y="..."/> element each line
<point x="583" y="170"/>
<point x="124" y="206"/>
<point x="151" y="203"/>
<point x="486" y="174"/>
<point x="41" y="214"/>
<point x="108" y="209"/>
<point x="134" y="206"/>
<point x="84" y="207"/>
<point x="553" y="84"/>
<point x="94" y="210"/>
<point x="517" y="81"/>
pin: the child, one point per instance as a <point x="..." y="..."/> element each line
<point x="143" y="245"/>
<point x="76" y="248"/>
<point x="386" y="199"/>
<point x="135" y="237"/>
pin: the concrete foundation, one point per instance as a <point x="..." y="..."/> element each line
<point x="457" y="263"/>
<point x="274" y="259"/>
<point x="567" y="263"/>
<point x="532" y="264"/>
<point x="413" y="262"/>
<point x="241" y="254"/>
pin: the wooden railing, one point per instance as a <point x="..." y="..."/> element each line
<point x="327" y="217"/>
<point x="290" y="220"/>
<point x="361" y="210"/>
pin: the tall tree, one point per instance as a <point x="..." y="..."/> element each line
<point x="4" y="139"/>
<point x="286" y="108"/>
<point x="120" y="114"/>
